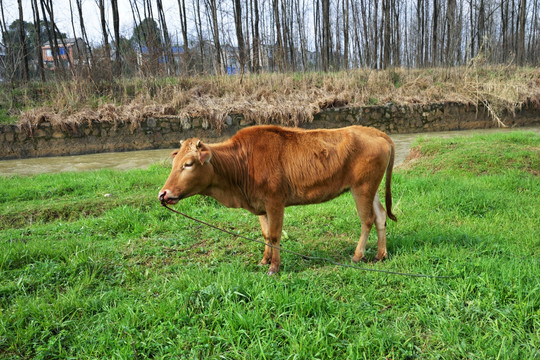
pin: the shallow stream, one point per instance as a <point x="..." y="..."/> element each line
<point x="143" y="159"/>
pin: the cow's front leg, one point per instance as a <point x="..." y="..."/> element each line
<point x="267" y="257"/>
<point x="275" y="224"/>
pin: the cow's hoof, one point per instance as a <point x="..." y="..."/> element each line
<point x="272" y="272"/>
<point x="264" y="263"/>
<point x="376" y="260"/>
<point x="364" y="260"/>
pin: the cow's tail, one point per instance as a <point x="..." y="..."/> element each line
<point x="388" y="188"/>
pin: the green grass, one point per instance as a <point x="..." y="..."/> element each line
<point x="88" y="276"/>
<point x="6" y="118"/>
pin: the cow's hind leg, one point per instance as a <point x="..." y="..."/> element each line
<point x="267" y="257"/>
<point x="380" y="224"/>
<point x="364" y="206"/>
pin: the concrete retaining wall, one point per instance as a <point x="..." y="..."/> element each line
<point x="165" y="132"/>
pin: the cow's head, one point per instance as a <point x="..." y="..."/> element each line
<point x="191" y="172"/>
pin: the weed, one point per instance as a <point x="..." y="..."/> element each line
<point x="373" y="101"/>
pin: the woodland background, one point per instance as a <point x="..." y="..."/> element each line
<point x="252" y="36"/>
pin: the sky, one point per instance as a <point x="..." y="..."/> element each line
<point x="92" y="17"/>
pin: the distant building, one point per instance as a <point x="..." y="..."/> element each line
<point x="73" y="50"/>
<point x="231" y="57"/>
<point x="145" y="53"/>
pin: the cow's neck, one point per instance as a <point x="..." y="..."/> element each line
<point x="230" y="176"/>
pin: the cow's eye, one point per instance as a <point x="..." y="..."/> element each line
<point x="188" y="164"/>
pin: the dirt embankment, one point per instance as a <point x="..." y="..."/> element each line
<point x="288" y="99"/>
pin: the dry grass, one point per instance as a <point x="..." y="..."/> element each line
<point x="287" y="99"/>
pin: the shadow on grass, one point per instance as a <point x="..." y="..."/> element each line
<point x="427" y="246"/>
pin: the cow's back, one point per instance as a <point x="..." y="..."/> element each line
<point x="310" y="165"/>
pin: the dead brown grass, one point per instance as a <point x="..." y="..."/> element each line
<point x="288" y="99"/>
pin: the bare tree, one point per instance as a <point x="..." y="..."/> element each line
<point x="10" y="60"/>
<point x="168" y="58"/>
<point x="88" y="50"/>
<point x="22" y="38"/>
<point x="116" y="26"/>
<point x="56" y="32"/>
<point x="450" y="36"/>
<point x="533" y="46"/>
<point x="107" y="47"/>
<point x="256" y="37"/>
<point x="239" y="34"/>
<point x="198" y="28"/>
<point x="345" y="9"/>
<point x="37" y="25"/>
<point x="184" y="29"/>
<point x="386" y="33"/>
<point x="51" y="33"/>
<point x="520" y="53"/>
<point x="326" y="35"/>
<point x="280" y="57"/>
<point x="218" y="64"/>
<point x="434" y="33"/>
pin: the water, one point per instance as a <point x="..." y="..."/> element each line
<point x="143" y="159"/>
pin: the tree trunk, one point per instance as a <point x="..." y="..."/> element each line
<point x="88" y="50"/>
<point x="504" y="29"/>
<point x="104" y="31"/>
<point x="215" y="32"/>
<point x="198" y="28"/>
<point x="183" y="25"/>
<point x="256" y="38"/>
<point x="533" y="42"/>
<point x="326" y="35"/>
<point x="116" y="26"/>
<point x="239" y="34"/>
<point x="376" y="37"/>
<point x="481" y="24"/>
<point x="434" y="41"/>
<point x="386" y="33"/>
<point x="367" y="48"/>
<point x="22" y="37"/>
<point x="345" y="8"/>
<point x="396" y="54"/>
<point x="168" y="58"/>
<point x="53" y="42"/>
<point x="37" y="25"/>
<point x="450" y="25"/>
<point x="78" y="56"/>
<point x="521" y="36"/>
<point x="279" y="41"/>
<point x="317" y="32"/>
<point x="419" y="33"/>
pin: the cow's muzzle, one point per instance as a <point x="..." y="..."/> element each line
<point x="166" y="199"/>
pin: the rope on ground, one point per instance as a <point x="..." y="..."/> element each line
<point x="306" y="257"/>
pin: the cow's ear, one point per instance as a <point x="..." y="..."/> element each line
<point x="204" y="153"/>
<point x="173" y="154"/>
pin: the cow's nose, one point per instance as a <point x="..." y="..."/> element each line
<point x="162" y="195"/>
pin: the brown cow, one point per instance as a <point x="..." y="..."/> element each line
<point x="263" y="169"/>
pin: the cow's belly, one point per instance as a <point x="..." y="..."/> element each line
<point x="315" y="195"/>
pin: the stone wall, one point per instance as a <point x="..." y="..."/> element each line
<point x="165" y="132"/>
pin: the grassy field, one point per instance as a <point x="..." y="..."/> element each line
<point x="84" y="275"/>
